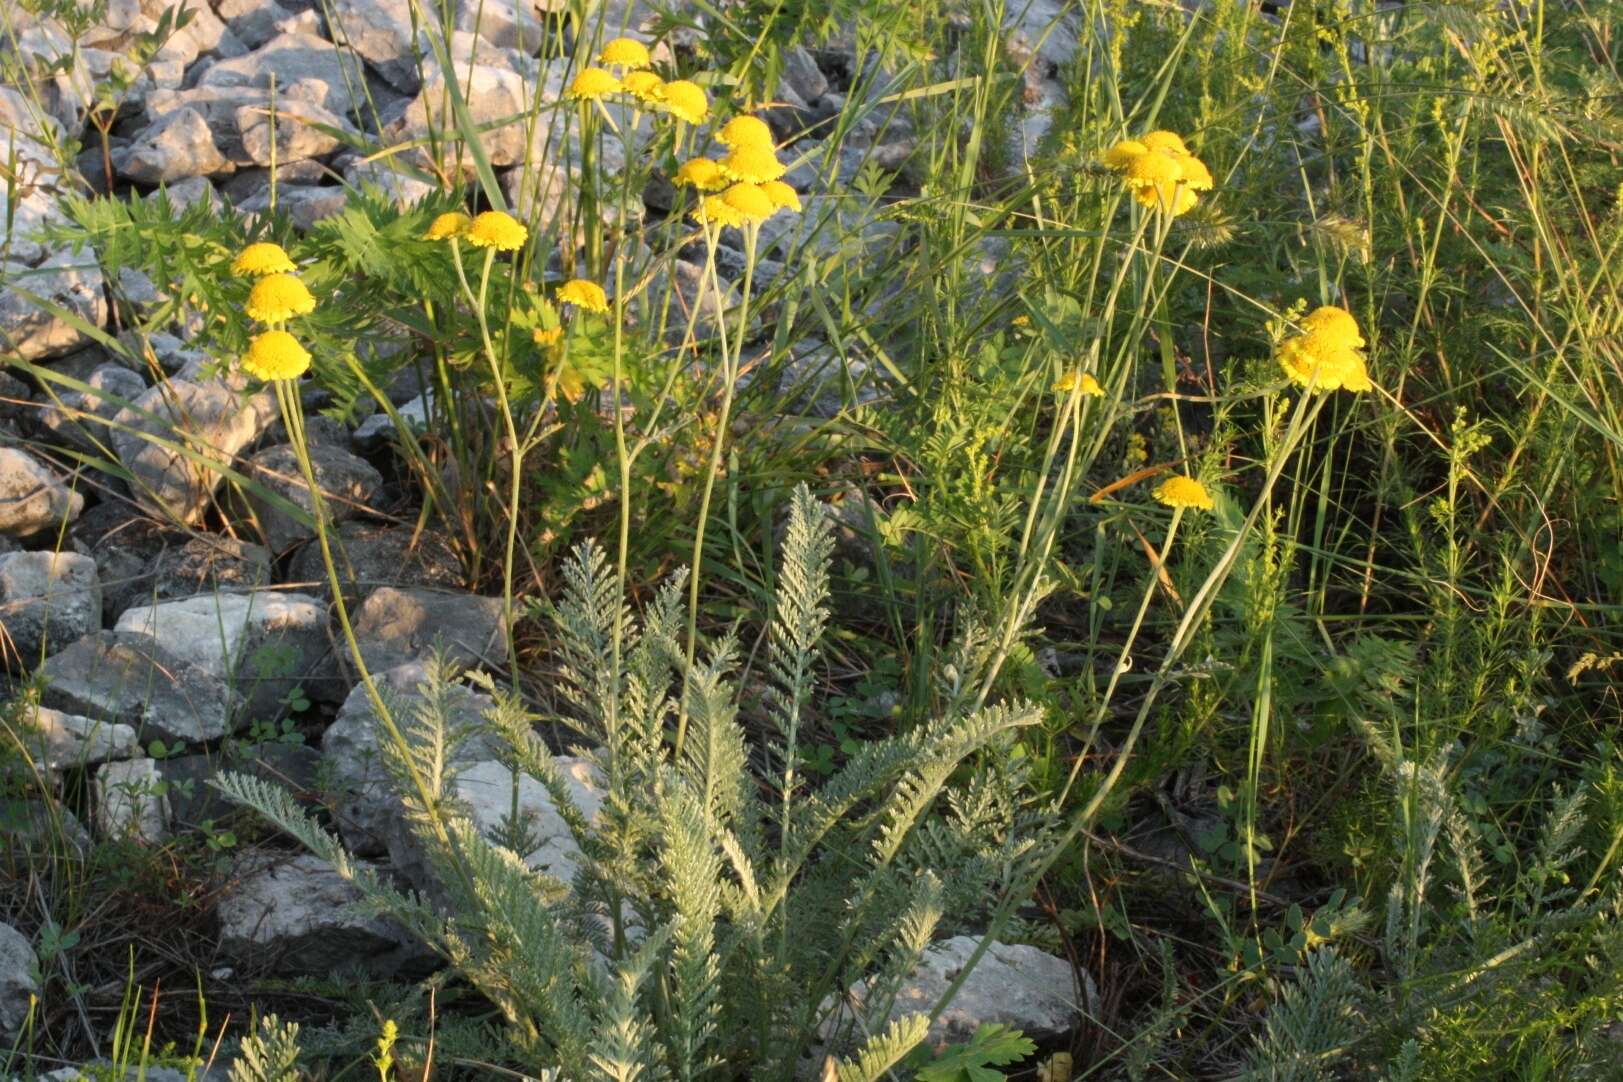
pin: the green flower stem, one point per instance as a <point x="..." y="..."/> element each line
<point x="729" y="375"/>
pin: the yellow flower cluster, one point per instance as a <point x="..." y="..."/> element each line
<point x="1179" y="491"/>
<point x="684" y="100"/>
<point x="1161" y="171"/>
<point x="1079" y="381"/>
<point x="583" y="293"/>
<point x="276" y="297"/>
<point x="1326" y="355"/>
<point x="492" y="229"/>
<point x="747" y="184"/>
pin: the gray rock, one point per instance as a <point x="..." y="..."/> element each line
<point x="293" y="58"/>
<point x="348" y="485"/>
<point x="216" y="423"/>
<point x="56" y="741"/>
<point x="70" y="281"/>
<point x="379" y="428"/>
<point x="255" y="22"/>
<point x="141" y="561"/>
<point x="263" y="644"/>
<point x="194" y="801"/>
<point x="134" y="680"/>
<point x="302" y="914"/>
<point x="19" y="981"/>
<point x="29" y="827"/>
<point x="381" y="31"/>
<point x="397" y="626"/>
<point x="507" y="24"/>
<point x="484" y="792"/>
<point x="26" y="213"/>
<point x="47" y="599"/>
<point x="304" y="204"/>
<point x="31" y="497"/>
<point x="1013" y="984"/>
<point x="131" y="802"/>
<point x="819" y="382"/>
<point x="78" y="418"/>
<point x="176" y="147"/>
<point x="187" y="193"/>
<point x="389" y="177"/>
<point x="802" y="75"/>
<point x="828" y="226"/>
<point x="366" y="807"/>
<point x="369" y="556"/>
<point x="299" y="132"/>
<point x="691" y="299"/>
<point x="493" y="94"/>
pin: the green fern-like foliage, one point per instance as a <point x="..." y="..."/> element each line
<point x="269" y="1054"/>
<point x="716" y="917"/>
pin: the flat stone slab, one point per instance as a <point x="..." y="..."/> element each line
<point x="397" y="626"/>
<point x="47" y="599"/>
<point x="132" y="679"/>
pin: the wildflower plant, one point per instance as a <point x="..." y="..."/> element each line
<point x="697" y="936"/>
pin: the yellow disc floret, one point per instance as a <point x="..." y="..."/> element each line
<point x="262" y="258"/>
<point x="1120" y="156"/>
<point x="277" y="298"/>
<point x="1163" y="140"/>
<point x="745" y="130"/>
<point x="1322" y="359"/>
<point x="718" y="212"/>
<point x="276" y="355"/>
<point x="583" y="293"/>
<point x="625" y="53"/>
<point x="1337" y="325"/>
<point x="645" y="86"/>
<point x="685" y="101"/>
<point x="782" y="195"/>
<point x="452" y="223"/>
<point x="1183" y="492"/>
<point x="753" y="162"/>
<point x="752" y="204"/>
<point x="499" y="230"/>
<point x="701" y="173"/>
<point x="592" y="84"/>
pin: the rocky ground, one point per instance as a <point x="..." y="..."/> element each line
<point x="153" y="607"/>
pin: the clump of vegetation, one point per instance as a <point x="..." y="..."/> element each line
<point x="1249" y="429"/>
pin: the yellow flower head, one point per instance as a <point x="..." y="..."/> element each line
<point x="262" y="258"/>
<point x="685" y="101"/>
<point x="753" y="162"/>
<point x="718" y="212"/>
<point x="1083" y="381"/>
<point x="592" y="84"/>
<point x="701" y="173"/>
<point x="547" y="337"/>
<point x="625" y="53"/>
<point x="1336" y="324"/>
<point x="277" y="298"/>
<point x="1323" y="360"/>
<point x="645" y="86"/>
<point x="499" y="230"/>
<point x="1196" y="177"/>
<point x="1181" y="491"/>
<point x="1120" y="156"/>
<point x="276" y="355"/>
<point x="1163" y="140"/>
<point x="1176" y="198"/>
<point x="753" y="204"/>
<point x="1153" y="169"/>
<point x="743" y="131"/>
<point x="783" y="197"/>
<point x="450" y="224"/>
<point x="583" y="293"/>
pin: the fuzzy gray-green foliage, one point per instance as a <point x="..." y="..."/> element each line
<point x="708" y="932"/>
